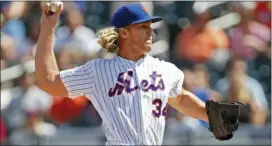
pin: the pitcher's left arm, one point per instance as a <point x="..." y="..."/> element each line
<point x="190" y="105"/>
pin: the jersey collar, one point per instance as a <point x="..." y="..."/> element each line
<point x="122" y="61"/>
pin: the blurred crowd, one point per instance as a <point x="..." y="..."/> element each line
<point x="223" y="48"/>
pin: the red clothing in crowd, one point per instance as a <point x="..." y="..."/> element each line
<point x="262" y="13"/>
<point x="2" y="130"/>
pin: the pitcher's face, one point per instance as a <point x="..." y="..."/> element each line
<point x="140" y="36"/>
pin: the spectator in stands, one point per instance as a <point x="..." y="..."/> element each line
<point x="262" y="66"/>
<point x="237" y="85"/>
<point x="74" y="32"/>
<point x="26" y="109"/>
<point x="28" y="45"/>
<point x="262" y="13"/>
<point x="3" y="132"/>
<point x="65" y="59"/>
<point x="14" y="26"/>
<point x="201" y="85"/>
<point x="8" y="52"/>
<point x="249" y="37"/>
<point x="197" y="81"/>
<point x="3" y="64"/>
<point x="198" y="42"/>
<point x="188" y="82"/>
<point x="2" y="21"/>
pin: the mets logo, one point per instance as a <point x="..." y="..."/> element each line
<point x="144" y="9"/>
<point x="123" y="84"/>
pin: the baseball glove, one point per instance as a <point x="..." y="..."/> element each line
<point x="224" y="118"/>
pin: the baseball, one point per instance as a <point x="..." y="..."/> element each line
<point x="52" y="6"/>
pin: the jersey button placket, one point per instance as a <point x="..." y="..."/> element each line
<point x="144" y="99"/>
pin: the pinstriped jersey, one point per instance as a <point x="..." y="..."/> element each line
<point x="131" y="97"/>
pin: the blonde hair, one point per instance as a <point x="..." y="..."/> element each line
<point x="109" y="39"/>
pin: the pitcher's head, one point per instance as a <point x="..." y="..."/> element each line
<point x="131" y="25"/>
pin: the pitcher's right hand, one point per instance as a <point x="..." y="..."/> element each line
<point x="51" y="12"/>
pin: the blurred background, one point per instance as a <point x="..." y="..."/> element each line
<point x="223" y="48"/>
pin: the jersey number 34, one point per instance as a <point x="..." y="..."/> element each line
<point x="158" y="111"/>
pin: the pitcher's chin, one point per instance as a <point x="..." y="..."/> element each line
<point x="148" y="47"/>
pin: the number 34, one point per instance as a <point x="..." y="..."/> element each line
<point x="158" y="112"/>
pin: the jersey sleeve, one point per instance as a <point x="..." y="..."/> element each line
<point x="79" y="81"/>
<point x="176" y="81"/>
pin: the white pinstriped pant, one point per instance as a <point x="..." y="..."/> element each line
<point x="110" y="142"/>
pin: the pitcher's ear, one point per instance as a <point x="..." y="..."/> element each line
<point x="123" y="32"/>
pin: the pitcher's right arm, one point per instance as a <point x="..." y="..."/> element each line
<point x="46" y="69"/>
<point x="68" y="83"/>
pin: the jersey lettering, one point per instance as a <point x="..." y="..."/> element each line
<point x="124" y="81"/>
<point x="146" y="88"/>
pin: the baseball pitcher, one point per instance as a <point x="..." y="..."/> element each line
<point x="132" y="90"/>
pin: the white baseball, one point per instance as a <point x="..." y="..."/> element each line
<point x="53" y="6"/>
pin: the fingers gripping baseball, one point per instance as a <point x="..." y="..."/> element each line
<point x="51" y="13"/>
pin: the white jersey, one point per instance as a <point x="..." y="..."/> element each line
<point x="131" y="97"/>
